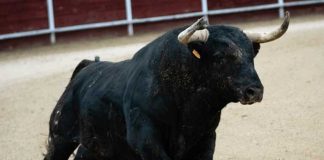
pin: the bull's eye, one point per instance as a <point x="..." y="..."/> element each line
<point x="223" y="61"/>
<point x="231" y="57"/>
<point x="218" y="55"/>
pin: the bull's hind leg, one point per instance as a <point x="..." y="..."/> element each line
<point x="63" y="134"/>
<point x="60" y="149"/>
<point x="84" y="154"/>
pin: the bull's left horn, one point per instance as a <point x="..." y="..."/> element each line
<point x="195" y="32"/>
<point x="267" y="37"/>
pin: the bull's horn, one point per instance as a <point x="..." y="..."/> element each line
<point x="267" y="37"/>
<point x="195" y="32"/>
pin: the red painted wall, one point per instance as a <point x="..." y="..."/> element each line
<point x="76" y="12"/>
<point x="153" y="8"/>
<point x="220" y="4"/>
<point x="26" y="15"/>
<point x="22" y="15"/>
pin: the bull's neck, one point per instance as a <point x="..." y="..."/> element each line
<point x="190" y="85"/>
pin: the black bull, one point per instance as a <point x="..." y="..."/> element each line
<point x="165" y="103"/>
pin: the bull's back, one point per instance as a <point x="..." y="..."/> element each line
<point x="98" y="92"/>
<point x="99" y="80"/>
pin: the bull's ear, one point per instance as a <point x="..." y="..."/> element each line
<point x="197" y="49"/>
<point x="256" y="48"/>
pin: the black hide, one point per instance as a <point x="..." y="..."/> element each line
<point x="162" y="104"/>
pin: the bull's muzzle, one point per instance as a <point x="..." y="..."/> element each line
<point x="251" y="95"/>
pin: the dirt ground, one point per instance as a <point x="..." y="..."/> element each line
<point x="288" y="124"/>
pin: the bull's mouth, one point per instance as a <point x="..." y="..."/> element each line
<point x="250" y="100"/>
<point x="248" y="97"/>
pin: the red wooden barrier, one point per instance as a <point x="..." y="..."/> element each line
<point x="153" y="8"/>
<point x="22" y="15"/>
<point x="76" y="12"/>
<point x="220" y="4"/>
<point x="26" y="15"/>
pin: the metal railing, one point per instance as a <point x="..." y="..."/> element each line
<point x="51" y="30"/>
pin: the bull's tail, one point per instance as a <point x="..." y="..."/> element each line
<point x="84" y="63"/>
<point x="63" y="136"/>
<point x="63" y="128"/>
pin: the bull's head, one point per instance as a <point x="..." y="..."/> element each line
<point x="228" y="53"/>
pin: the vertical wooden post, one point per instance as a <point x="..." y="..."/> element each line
<point x="204" y="9"/>
<point x="129" y="15"/>
<point x="281" y="8"/>
<point x="51" y="23"/>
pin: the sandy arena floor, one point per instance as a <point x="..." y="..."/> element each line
<point x="288" y="124"/>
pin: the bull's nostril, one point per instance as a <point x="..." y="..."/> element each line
<point x="250" y="92"/>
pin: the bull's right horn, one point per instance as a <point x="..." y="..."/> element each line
<point x="195" y="32"/>
<point x="267" y="37"/>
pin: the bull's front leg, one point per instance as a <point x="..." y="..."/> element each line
<point x="143" y="136"/>
<point x="204" y="150"/>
